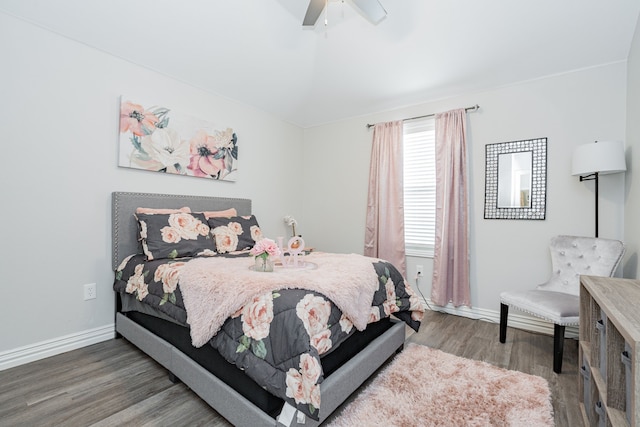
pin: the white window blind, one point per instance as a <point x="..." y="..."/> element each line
<point x="419" y="186"/>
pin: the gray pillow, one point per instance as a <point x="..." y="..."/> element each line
<point x="236" y="233"/>
<point x="175" y="235"/>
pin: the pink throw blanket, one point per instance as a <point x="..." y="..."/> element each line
<point x="215" y="288"/>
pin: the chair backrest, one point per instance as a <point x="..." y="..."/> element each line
<point x="572" y="256"/>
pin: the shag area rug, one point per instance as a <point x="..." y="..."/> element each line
<point x="427" y="387"/>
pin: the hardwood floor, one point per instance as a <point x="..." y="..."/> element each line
<point x="114" y="384"/>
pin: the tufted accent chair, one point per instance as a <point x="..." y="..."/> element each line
<point x="558" y="300"/>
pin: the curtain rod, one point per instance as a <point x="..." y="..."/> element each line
<point x="468" y="109"/>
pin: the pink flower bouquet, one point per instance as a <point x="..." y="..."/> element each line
<point x="265" y="248"/>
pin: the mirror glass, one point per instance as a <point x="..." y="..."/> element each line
<point x="516" y="180"/>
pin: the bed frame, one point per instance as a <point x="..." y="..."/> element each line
<point x="335" y="389"/>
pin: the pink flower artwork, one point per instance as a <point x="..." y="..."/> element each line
<point x="155" y="138"/>
<point x="206" y="158"/>
<point x="134" y="119"/>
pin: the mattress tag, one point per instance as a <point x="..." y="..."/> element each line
<point x="301" y="417"/>
<point x="286" y="416"/>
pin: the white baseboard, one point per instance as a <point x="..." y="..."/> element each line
<point x="41" y="350"/>
<point x="516" y="320"/>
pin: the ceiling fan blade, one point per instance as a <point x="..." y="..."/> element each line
<point x="313" y="12"/>
<point x="370" y="9"/>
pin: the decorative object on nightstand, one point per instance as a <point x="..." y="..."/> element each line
<point x="558" y="300"/>
<point x="602" y="158"/>
<point x="291" y="222"/>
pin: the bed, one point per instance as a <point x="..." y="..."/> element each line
<point x="157" y="325"/>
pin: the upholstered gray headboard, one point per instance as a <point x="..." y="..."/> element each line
<point x="125" y="228"/>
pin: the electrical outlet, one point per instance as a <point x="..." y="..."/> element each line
<point x="419" y="270"/>
<point x="89" y="291"/>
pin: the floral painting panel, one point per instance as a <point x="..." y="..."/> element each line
<point x="156" y="138"/>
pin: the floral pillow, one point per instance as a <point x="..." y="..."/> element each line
<point x="175" y="235"/>
<point x="236" y="233"/>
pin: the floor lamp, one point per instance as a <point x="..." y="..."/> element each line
<point x="601" y="158"/>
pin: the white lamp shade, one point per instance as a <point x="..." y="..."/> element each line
<point x="603" y="157"/>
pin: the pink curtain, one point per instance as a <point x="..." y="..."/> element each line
<point x="450" y="282"/>
<point x="384" y="233"/>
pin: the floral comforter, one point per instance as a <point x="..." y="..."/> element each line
<point x="280" y="336"/>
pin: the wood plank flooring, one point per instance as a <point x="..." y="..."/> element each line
<point x="114" y="384"/>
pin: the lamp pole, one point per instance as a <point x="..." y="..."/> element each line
<point x="591" y="160"/>
<point x="594" y="176"/>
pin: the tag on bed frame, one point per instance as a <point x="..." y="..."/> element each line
<point x="286" y="416"/>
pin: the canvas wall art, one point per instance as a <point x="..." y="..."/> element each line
<point x="156" y="138"/>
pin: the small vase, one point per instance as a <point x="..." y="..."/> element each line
<point x="263" y="264"/>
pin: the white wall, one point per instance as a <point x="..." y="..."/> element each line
<point x="59" y="114"/>
<point x="570" y="109"/>
<point x="632" y="193"/>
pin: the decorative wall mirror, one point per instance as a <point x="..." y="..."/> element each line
<point x="516" y="180"/>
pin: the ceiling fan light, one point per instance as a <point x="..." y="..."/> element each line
<point x="370" y="9"/>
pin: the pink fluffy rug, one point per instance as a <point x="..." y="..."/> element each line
<point x="427" y="387"/>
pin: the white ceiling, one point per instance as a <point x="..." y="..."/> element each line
<point x="256" y="51"/>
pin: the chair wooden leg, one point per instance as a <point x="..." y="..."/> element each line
<point x="504" y="313"/>
<point x="558" y="347"/>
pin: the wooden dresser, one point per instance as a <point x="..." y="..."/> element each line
<point x="609" y="380"/>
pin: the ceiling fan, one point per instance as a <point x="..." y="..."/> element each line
<point x="370" y="9"/>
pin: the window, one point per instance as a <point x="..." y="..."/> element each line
<point x="419" y="187"/>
